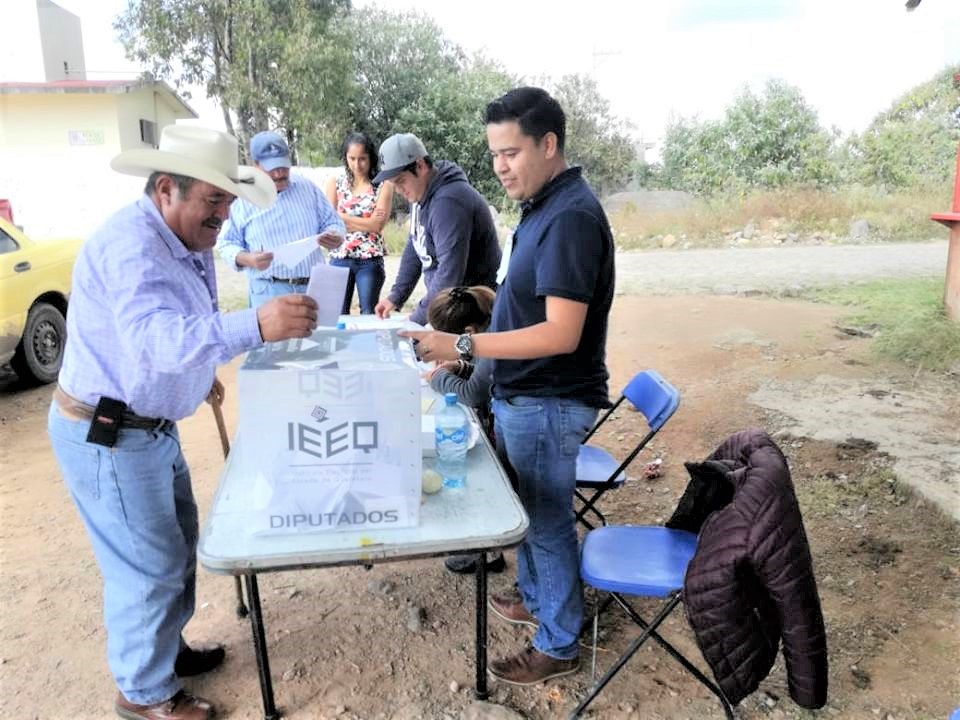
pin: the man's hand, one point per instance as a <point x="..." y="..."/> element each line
<point x="255" y="260"/>
<point x="384" y="308"/>
<point x="217" y="392"/>
<point x="329" y="240"/>
<point x="432" y="346"/>
<point x="287" y="316"/>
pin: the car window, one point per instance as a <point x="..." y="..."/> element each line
<point x="7" y="243"/>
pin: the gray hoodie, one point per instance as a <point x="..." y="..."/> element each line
<point x="453" y="240"/>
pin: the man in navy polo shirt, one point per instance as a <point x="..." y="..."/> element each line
<point x="548" y="336"/>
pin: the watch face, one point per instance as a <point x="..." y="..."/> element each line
<point x="464" y="344"/>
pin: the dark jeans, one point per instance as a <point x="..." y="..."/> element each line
<point x="368" y="276"/>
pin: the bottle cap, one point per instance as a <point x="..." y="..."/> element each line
<point x="450" y="398"/>
<point x="341" y="325"/>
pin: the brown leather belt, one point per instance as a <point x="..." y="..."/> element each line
<point x="77" y="410"/>
<point x="290" y="281"/>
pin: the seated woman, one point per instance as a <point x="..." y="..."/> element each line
<point x="466" y="310"/>
<point x="364" y="209"/>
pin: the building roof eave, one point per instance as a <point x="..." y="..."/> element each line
<point x="95" y="87"/>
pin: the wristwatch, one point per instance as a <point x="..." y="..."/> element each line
<point x="464" y="346"/>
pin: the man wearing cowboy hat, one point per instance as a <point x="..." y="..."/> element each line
<point x="144" y="339"/>
<point x="251" y="234"/>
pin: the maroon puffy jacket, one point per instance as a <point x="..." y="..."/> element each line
<point x="750" y="584"/>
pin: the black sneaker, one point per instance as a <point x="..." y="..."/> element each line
<point x="467" y="564"/>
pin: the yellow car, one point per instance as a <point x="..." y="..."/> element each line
<point x="34" y="288"/>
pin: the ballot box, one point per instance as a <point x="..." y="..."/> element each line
<point x="330" y="427"/>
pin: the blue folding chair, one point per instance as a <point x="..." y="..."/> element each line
<point x="597" y="470"/>
<point x="641" y="561"/>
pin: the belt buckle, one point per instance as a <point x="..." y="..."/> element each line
<point x="162" y="425"/>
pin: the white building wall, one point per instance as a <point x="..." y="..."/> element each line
<point x="55" y="152"/>
<point x="16" y="65"/>
<point x="61" y="43"/>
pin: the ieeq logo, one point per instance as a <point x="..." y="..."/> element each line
<point x="359" y="435"/>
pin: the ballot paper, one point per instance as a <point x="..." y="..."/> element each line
<point x="328" y="286"/>
<point x="294" y="253"/>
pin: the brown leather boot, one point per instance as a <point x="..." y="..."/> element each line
<point x="181" y="706"/>
<point x="511" y="609"/>
<point x="531" y="666"/>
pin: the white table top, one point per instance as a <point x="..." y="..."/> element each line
<point x="485" y="514"/>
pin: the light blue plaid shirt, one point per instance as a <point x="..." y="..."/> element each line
<point x="300" y="210"/>
<point x="143" y="325"/>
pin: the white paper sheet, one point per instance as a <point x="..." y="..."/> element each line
<point x="294" y="253"/>
<point x="328" y="285"/>
<point x="505" y="259"/>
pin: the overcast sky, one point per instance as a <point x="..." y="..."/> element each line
<point x="850" y="58"/>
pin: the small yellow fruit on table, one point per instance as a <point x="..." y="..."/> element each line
<point x="432" y="482"/>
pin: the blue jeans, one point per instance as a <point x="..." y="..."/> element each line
<point x="368" y="276"/>
<point x="262" y="291"/>
<point x="538" y="439"/>
<point x="136" y="502"/>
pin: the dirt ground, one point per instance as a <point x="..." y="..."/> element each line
<point x="341" y="645"/>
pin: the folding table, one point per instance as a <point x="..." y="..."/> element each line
<point x="485" y="515"/>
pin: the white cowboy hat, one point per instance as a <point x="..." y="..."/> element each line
<point x="204" y="154"/>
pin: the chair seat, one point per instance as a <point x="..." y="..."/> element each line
<point x="595" y="465"/>
<point x="649" y="561"/>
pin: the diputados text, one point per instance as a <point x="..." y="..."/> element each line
<point x="357" y="517"/>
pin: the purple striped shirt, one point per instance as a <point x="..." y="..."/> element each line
<point x="143" y="325"/>
<point x="299" y="211"/>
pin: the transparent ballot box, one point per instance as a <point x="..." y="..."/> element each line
<point x="330" y="428"/>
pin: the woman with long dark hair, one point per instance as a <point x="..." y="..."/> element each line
<point x="364" y="209"/>
<point x="466" y="310"/>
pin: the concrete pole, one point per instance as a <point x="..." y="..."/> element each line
<point x="951" y="293"/>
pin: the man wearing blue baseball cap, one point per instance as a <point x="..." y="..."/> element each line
<point x="250" y="234"/>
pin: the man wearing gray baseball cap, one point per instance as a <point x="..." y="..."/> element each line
<point x="452" y="240"/>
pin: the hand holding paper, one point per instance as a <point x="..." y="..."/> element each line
<point x="329" y="240"/>
<point x="294" y="253"/>
<point x="328" y="286"/>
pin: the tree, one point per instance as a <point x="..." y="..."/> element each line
<point x="596" y="139"/>
<point x="775" y="139"/>
<point x="268" y="63"/>
<point x="448" y="117"/>
<point x="696" y="157"/>
<point x="913" y="143"/>
<point x="764" y="141"/>
<point x="397" y="57"/>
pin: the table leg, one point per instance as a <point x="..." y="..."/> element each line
<point x="260" y="647"/>
<point x="481" y="687"/>
<point x="238" y="585"/>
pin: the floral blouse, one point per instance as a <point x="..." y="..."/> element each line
<point x="358" y="245"/>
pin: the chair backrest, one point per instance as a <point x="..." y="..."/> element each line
<point x="653" y="396"/>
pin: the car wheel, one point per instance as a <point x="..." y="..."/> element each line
<point x="40" y="351"/>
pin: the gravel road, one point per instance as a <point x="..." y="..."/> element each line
<point x="735" y="270"/>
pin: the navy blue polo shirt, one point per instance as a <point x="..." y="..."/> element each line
<point x="561" y="248"/>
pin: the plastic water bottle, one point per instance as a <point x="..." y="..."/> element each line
<point x="451" y="436"/>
